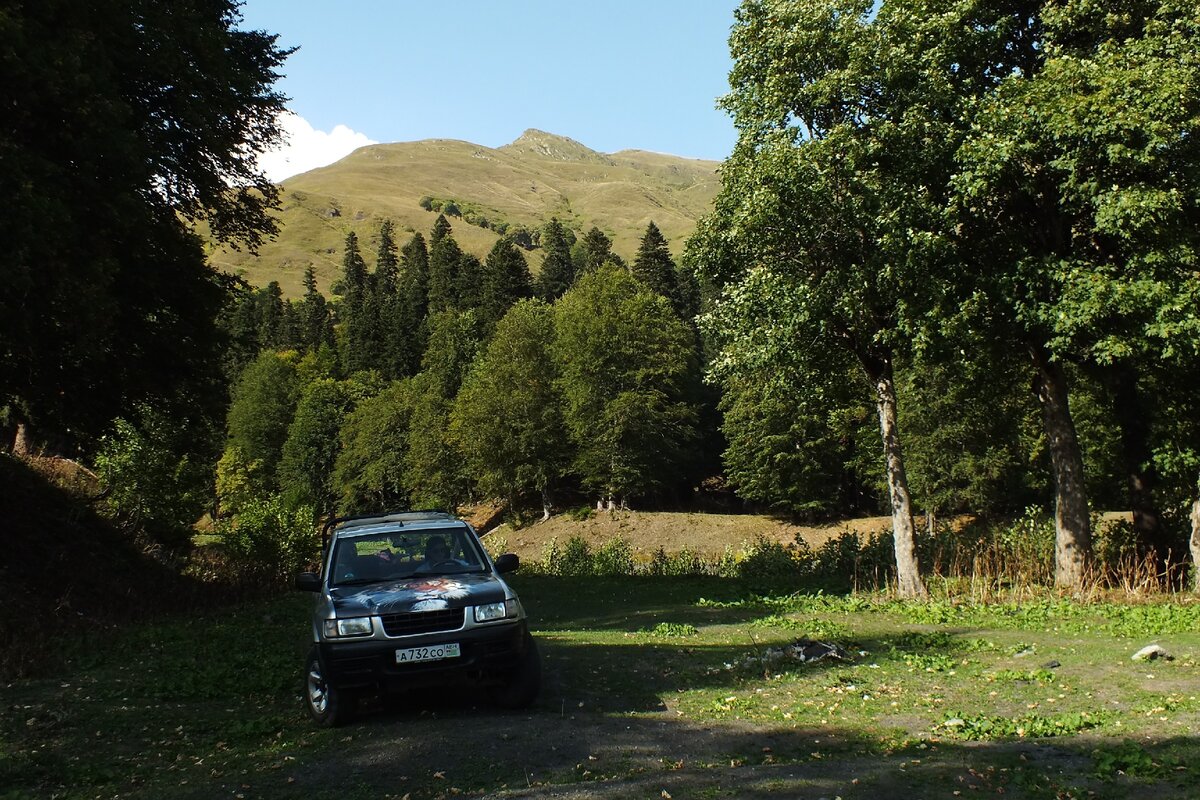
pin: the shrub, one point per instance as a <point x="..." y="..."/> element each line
<point x="614" y="558"/>
<point x="572" y="559"/>
<point x="769" y="564"/>
<point x="271" y="539"/>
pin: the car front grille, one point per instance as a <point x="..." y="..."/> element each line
<point x="422" y="622"/>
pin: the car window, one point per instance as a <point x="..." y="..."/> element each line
<point x="369" y="558"/>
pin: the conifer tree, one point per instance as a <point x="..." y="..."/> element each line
<point x="316" y="326"/>
<point x="386" y="263"/>
<point x="468" y="283"/>
<point x="506" y="279"/>
<point x="353" y="312"/>
<point x="558" y="270"/>
<point x="406" y="329"/>
<point x="444" y="258"/>
<point x="354" y="269"/>
<point x="595" y="251"/>
<point x="269" y="303"/>
<point x="654" y="267"/>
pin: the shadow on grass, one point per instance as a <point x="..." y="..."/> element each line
<point x="211" y="708"/>
<point x="448" y="748"/>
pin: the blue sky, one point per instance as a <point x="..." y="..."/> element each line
<point x="613" y="74"/>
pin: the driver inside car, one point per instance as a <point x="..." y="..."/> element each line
<point x="436" y="551"/>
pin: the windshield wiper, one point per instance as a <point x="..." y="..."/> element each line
<point x="360" y="581"/>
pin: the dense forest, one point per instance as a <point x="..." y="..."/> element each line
<point x="952" y="269"/>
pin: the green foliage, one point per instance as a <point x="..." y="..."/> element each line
<point x="671" y="630"/>
<point x="624" y="361"/>
<point x="558" y="270"/>
<point x="973" y="435"/>
<point x="615" y="557"/>
<point x="434" y="473"/>
<point x="594" y="251"/>
<point x="792" y="446"/>
<point x="506" y="280"/>
<point x="309" y="453"/>
<point x="768" y="564"/>
<point x="507" y="418"/>
<point x="239" y="481"/>
<point x="106" y="300"/>
<point x="150" y="474"/>
<point x="1129" y="759"/>
<point x="572" y="559"/>
<point x="684" y="562"/>
<point x="264" y="402"/>
<point x="271" y="538"/>
<point x="368" y="471"/>
<point x="654" y="267"/>
<point x="444" y="258"/>
<point x="981" y="727"/>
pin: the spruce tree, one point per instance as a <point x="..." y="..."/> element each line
<point x="506" y="279"/>
<point x="316" y="326"/>
<point x="653" y="265"/>
<point x="468" y="283"/>
<point x="558" y="270"/>
<point x="386" y="263"/>
<point x="444" y="258"/>
<point x="595" y="251"/>
<point x="406" y="328"/>
<point x="269" y="303"/>
<point x="353" y="313"/>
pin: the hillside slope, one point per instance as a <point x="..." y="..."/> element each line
<point x="538" y="176"/>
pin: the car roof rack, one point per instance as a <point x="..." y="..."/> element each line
<point x="386" y="518"/>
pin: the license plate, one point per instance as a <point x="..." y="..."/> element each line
<point x="435" y="652"/>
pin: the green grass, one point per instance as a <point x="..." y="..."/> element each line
<point x="619" y="193"/>
<point x="679" y="681"/>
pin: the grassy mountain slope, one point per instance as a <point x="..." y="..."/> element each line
<point x="538" y="176"/>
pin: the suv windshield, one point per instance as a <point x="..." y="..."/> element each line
<point x="374" y="557"/>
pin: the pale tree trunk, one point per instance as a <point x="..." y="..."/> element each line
<point x="1195" y="540"/>
<point x="21" y="446"/>
<point x="547" y="506"/>
<point x="908" y="575"/>
<point x="1072" y="527"/>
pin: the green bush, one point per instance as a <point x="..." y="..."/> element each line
<point x="685" y="562"/>
<point x="271" y="539"/>
<point x="769" y="564"/>
<point x="572" y="559"/>
<point x="614" y="558"/>
<point x="149" y="480"/>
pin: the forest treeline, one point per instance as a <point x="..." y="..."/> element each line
<point x="952" y="269"/>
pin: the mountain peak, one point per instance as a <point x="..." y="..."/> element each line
<point x="555" y="147"/>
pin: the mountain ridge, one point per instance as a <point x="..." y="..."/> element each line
<point x="524" y="183"/>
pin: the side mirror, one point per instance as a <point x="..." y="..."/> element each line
<point x="308" y="582"/>
<point x="509" y="562"/>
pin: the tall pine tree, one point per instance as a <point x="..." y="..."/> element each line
<point x="558" y="270"/>
<point x="506" y="279"/>
<point x="444" y="258"/>
<point x="653" y="266"/>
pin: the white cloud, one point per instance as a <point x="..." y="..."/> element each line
<point x="306" y="148"/>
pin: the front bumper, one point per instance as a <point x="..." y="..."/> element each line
<point x="489" y="655"/>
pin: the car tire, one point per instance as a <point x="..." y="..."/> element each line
<point x="524" y="682"/>
<point x="327" y="706"/>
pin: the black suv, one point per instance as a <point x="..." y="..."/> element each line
<point x="409" y="600"/>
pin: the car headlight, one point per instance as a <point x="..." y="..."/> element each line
<point x="354" y="626"/>
<point x="492" y="611"/>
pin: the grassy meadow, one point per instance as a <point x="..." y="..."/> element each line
<point x="680" y="686"/>
<point x="538" y="176"/>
